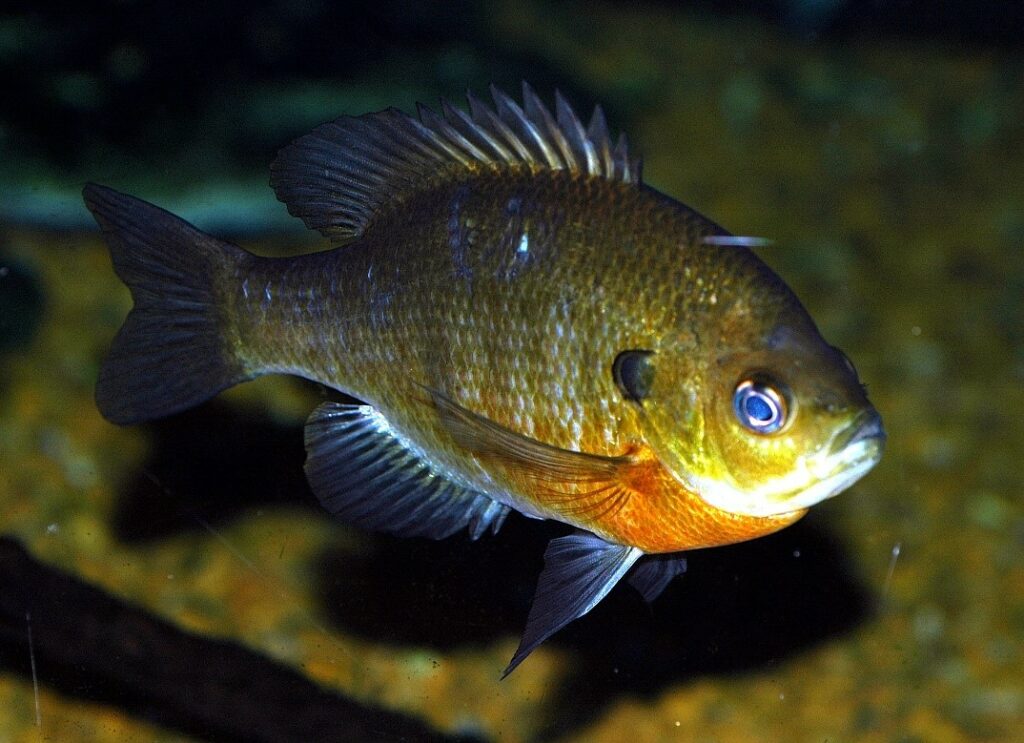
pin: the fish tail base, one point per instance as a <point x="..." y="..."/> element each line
<point x="172" y="352"/>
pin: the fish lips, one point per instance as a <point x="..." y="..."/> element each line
<point x="866" y="427"/>
<point x="853" y="453"/>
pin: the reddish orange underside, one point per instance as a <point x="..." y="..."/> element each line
<point x="642" y="505"/>
<point x="660" y="515"/>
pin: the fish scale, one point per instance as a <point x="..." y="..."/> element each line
<point x="528" y="326"/>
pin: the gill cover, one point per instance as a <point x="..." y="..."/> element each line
<point x="764" y="431"/>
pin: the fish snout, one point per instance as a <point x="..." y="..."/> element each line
<point x="865" y="430"/>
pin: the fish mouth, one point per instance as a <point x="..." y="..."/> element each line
<point x="867" y="426"/>
<point x="853" y="452"/>
<point x="858" y="458"/>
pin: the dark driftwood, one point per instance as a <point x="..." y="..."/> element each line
<point x="90" y="645"/>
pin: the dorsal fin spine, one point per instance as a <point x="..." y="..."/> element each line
<point x="461" y="121"/>
<point x="538" y="112"/>
<point x="449" y="138"/>
<point x="424" y="140"/>
<point x="570" y="124"/>
<point x="339" y="176"/>
<point x="498" y="120"/>
<point x="597" y="132"/>
<point x="466" y="140"/>
<point x="621" y="155"/>
<point x="515" y="117"/>
<point x="487" y="119"/>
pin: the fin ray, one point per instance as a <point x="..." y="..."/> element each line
<point x="483" y="436"/>
<point x="552" y="136"/>
<point x="171" y="352"/>
<point x="573" y="483"/>
<point x="654" y="572"/>
<point x="570" y="124"/>
<point x="337" y="177"/>
<point x="362" y="473"/>
<point x="579" y="571"/>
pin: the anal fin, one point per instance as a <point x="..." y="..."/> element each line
<point x="579" y="571"/>
<point x="654" y="572"/>
<point x="366" y="476"/>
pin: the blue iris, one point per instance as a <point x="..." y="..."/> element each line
<point x="759" y="406"/>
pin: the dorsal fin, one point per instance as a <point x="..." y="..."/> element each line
<point x="337" y="177"/>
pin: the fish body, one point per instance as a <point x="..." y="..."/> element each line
<point x="512" y="297"/>
<point x="529" y="327"/>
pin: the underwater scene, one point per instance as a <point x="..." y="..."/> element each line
<point x="527" y="457"/>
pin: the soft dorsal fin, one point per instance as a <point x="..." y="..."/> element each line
<point x="337" y="177"/>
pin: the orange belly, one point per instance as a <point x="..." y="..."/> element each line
<point x="651" y="510"/>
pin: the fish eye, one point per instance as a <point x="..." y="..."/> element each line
<point x="634" y="374"/>
<point x="760" y="405"/>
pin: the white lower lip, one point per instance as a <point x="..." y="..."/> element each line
<point x="854" y="462"/>
<point x="825" y="489"/>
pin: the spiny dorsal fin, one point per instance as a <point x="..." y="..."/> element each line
<point x="337" y="177"/>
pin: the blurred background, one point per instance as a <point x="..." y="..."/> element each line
<point x="177" y="581"/>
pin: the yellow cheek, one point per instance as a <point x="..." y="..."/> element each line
<point x="750" y="461"/>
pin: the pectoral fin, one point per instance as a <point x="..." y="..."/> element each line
<point x="570" y="481"/>
<point x="653" y="573"/>
<point x="579" y="571"/>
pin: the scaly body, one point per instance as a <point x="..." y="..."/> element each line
<point x="529" y="327"/>
<point x="512" y="296"/>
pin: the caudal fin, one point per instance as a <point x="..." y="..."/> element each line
<point x="171" y="353"/>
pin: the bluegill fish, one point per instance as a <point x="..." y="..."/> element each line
<point x="529" y="327"/>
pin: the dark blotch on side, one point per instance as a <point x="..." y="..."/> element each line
<point x="634" y="374"/>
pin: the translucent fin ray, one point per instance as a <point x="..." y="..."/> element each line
<point x="654" y="572"/>
<point x="363" y="474"/>
<point x="484" y="437"/>
<point x="344" y="172"/>
<point x="171" y="352"/>
<point x="579" y="571"/>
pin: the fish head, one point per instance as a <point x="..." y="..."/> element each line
<point x="775" y="422"/>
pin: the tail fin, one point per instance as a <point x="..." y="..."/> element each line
<point x="171" y="353"/>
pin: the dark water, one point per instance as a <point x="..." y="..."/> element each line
<point x="177" y="581"/>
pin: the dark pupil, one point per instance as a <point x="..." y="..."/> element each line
<point x="758" y="409"/>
